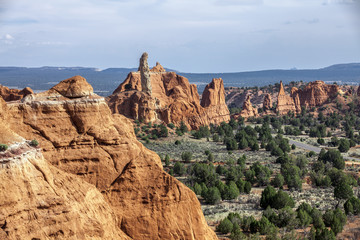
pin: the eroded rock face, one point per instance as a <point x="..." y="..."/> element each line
<point x="285" y="103"/>
<point x="173" y="99"/>
<point x="46" y="203"/>
<point x="267" y="103"/>
<point x="14" y="94"/>
<point x="314" y="94"/>
<point x="317" y="93"/>
<point x="82" y="137"/>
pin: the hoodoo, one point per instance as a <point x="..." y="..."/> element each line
<point x="80" y="136"/>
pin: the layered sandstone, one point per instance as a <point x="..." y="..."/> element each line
<point x="317" y="93"/>
<point x="82" y="137"/>
<point x="314" y="94"/>
<point x="285" y="103"/>
<point x="14" y="94"/>
<point x="172" y="100"/>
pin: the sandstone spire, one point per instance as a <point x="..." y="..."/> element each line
<point x="281" y="90"/>
<point x="267" y="103"/>
<point x="145" y="74"/>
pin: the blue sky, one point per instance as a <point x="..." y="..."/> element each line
<point x="187" y="35"/>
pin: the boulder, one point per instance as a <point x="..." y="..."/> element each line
<point x="74" y="87"/>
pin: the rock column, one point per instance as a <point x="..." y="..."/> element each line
<point x="145" y="74"/>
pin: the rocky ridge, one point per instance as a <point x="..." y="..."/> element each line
<point x="80" y="136"/>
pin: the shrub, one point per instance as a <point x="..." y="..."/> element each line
<point x="179" y="168"/>
<point x="344" y="145"/>
<point x="3" y="147"/>
<point x="167" y="160"/>
<point x="171" y="125"/>
<point x="213" y="195"/>
<point x="186" y="156"/>
<point x="352" y="206"/>
<point x="278" y="181"/>
<point x="225" y="226"/>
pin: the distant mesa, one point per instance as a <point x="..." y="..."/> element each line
<point x="172" y="98"/>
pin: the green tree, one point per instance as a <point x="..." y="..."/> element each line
<point x="304" y="218"/>
<point x="343" y="191"/>
<point x="225" y="226"/>
<point x="213" y="195"/>
<point x="179" y="168"/>
<point x="167" y="160"/>
<point x="267" y="196"/>
<point x="247" y="187"/>
<point x="231" y="191"/>
<point x="352" y="206"/>
<point x="344" y="145"/>
<point x="278" y="181"/>
<point x="186" y="156"/>
<point x="281" y="200"/>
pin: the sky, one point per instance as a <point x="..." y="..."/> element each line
<point x="185" y="35"/>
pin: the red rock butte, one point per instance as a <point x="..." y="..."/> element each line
<point x="91" y="179"/>
<point x="313" y="94"/>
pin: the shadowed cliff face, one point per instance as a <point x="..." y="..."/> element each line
<point x="81" y="136"/>
<point x="172" y="100"/>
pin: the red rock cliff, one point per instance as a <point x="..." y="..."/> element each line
<point x="82" y="137"/>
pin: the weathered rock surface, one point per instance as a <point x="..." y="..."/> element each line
<point x="172" y="100"/>
<point x="267" y="103"/>
<point x="285" y="103"/>
<point x="74" y="87"/>
<point x="82" y="137"/>
<point x="145" y="74"/>
<point x="314" y="94"/>
<point x="46" y="203"/>
<point x="14" y="94"/>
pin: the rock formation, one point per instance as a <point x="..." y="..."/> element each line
<point x="267" y="103"/>
<point x="317" y="93"/>
<point x="80" y="136"/>
<point x="248" y="110"/>
<point x="158" y="68"/>
<point x="285" y="103"/>
<point x="145" y="74"/>
<point x="74" y="87"/>
<point x="314" y="94"/>
<point x="14" y="94"/>
<point x="173" y="99"/>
